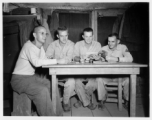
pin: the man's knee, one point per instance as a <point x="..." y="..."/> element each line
<point x="78" y="81"/>
<point x="125" y="81"/>
<point x="70" y="82"/>
<point x="99" y="80"/>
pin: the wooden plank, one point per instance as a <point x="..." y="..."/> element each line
<point x="132" y="95"/>
<point x="101" y="65"/>
<point x="81" y="71"/>
<point x="81" y="111"/>
<point x="120" y="94"/>
<point x="54" y="92"/>
<point x="114" y="111"/>
<point x="102" y="113"/>
<point x="94" y="24"/>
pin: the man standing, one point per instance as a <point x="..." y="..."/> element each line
<point x="113" y="52"/>
<point x="63" y="49"/>
<point x="81" y="50"/>
<point x="24" y="79"/>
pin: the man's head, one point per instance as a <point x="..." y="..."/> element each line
<point x="88" y="35"/>
<point x="40" y="34"/>
<point x="113" y="40"/>
<point x="62" y="34"/>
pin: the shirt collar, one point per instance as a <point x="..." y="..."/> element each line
<point x="91" y="44"/>
<point x="58" y="44"/>
<point x="117" y="48"/>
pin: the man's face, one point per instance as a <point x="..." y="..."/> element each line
<point x="88" y="37"/>
<point x="63" y="36"/>
<point x="41" y="35"/>
<point x="112" y="42"/>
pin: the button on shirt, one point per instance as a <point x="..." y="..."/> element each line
<point x="121" y="51"/>
<point x="59" y="52"/>
<point x="80" y="49"/>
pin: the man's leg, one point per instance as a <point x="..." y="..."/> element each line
<point x="46" y="82"/>
<point x="36" y="91"/>
<point x="69" y="88"/>
<point x="90" y="87"/>
<point x="125" y="84"/>
<point x="102" y="92"/>
<point x="81" y="92"/>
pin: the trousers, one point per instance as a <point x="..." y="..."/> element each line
<point x="84" y="92"/>
<point x="38" y="90"/>
<point x="69" y="88"/>
<point x="102" y="81"/>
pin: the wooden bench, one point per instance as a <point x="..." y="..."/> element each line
<point x="21" y="105"/>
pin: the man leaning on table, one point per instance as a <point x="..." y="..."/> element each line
<point x="63" y="49"/>
<point x="25" y="80"/>
<point x="113" y="52"/>
<point x="81" y="49"/>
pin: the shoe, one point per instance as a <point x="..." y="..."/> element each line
<point x="101" y="105"/>
<point x="126" y="105"/>
<point x="66" y="107"/>
<point x="77" y="104"/>
<point x="92" y="106"/>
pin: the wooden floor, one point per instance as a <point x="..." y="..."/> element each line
<point x="111" y="110"/>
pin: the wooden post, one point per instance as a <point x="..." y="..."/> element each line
<point x="54" y="92"/>
<point x="94" y="26"/>
<point x="132" y="95"/>
<point x="120" y="94"/>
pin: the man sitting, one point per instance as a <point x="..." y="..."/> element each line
<point x="82" y="48"/>
<point x="63" y="49"/>
<point x="113" y="52"/>
<point x="24" y="79"/>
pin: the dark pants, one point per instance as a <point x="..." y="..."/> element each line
<point x="38" y="90"/>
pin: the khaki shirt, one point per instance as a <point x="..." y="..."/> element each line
<point x="121" y="51"/>
<point x="55" y="50"/>
<point x="81" y="50"/>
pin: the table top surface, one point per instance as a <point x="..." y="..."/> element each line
<point x="96" y="65"/>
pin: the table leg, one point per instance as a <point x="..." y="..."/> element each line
<point x="132" y="95"/>
<point x="54" y="92"/>
<point x="120" y="94"/>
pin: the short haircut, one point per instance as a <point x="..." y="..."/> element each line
<point x="37" y="28"/>
<point x="88" y="30"/>
<point x="114" y="34"/>
<point x="63" y="28"/>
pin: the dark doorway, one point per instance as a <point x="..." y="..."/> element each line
<point x="105" y="25"/>
<point x="75" y="22"/>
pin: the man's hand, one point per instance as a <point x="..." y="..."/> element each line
<point x="77" y="59"/>
<point x="50" y="57"/>
<point x="111" y="59"/>
<point x="61" y="61"/>
<point x="102" y="53"/>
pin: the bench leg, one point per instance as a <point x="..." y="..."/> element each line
<point x="21" y="105"/>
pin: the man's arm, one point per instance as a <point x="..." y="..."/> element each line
<point x="50" y="51"/>
<point x="127" y="57"/>
<point x="38" y="61"/>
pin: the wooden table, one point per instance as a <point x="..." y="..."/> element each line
<point x="104" y="68"/>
